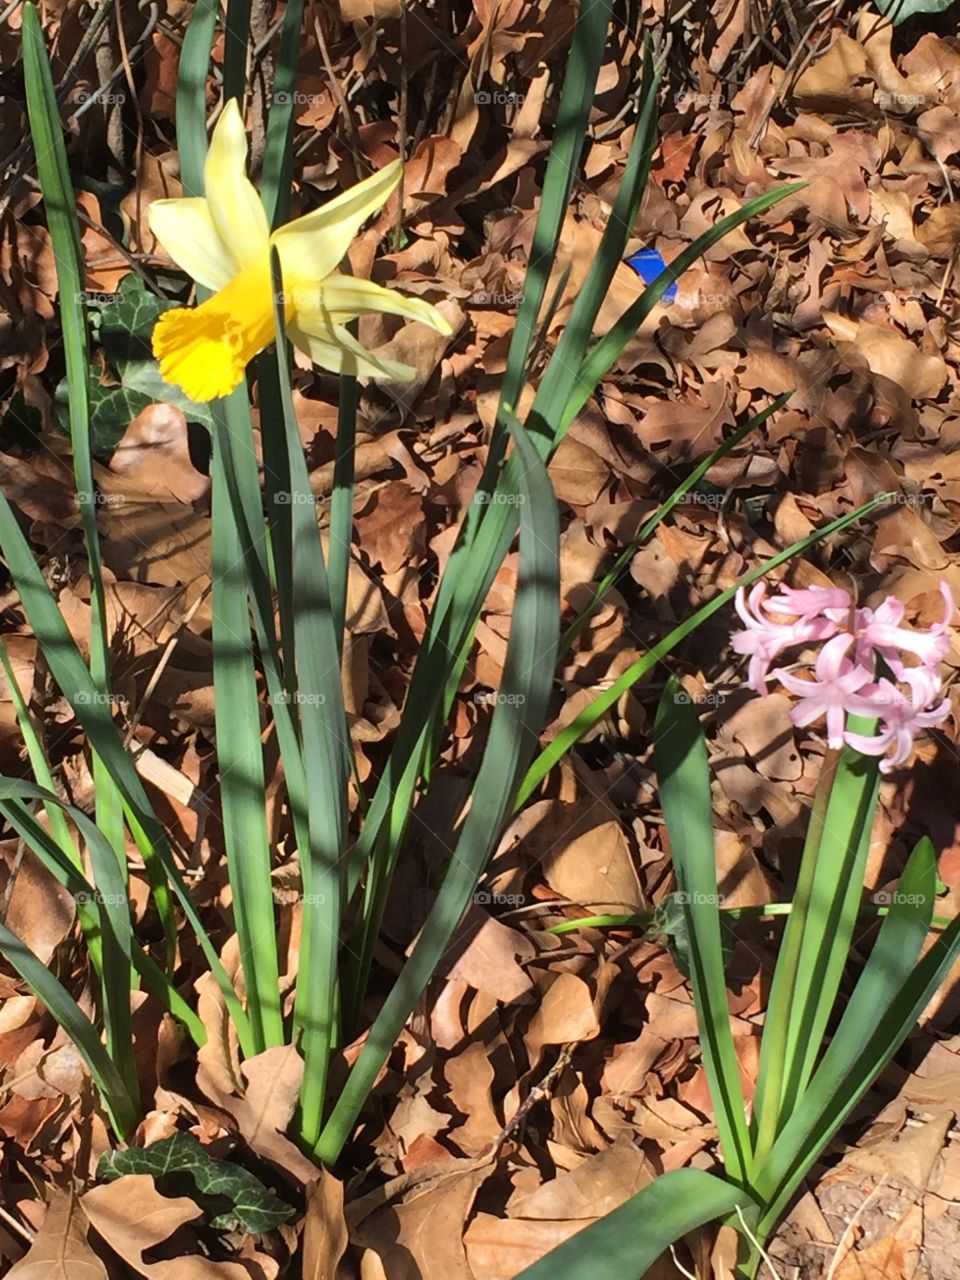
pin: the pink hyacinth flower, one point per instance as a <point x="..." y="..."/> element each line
<point x="837" y="679"/>
<point x="844" y="685"/>
<point x="765" y="640"/>
<point x="901" y="717"/>
<point x="808" y="602"/>
<point x="878" y="631"/>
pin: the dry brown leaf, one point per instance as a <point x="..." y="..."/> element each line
<point x="902" y="535"/>
<point x="911" y="1155"/>
<point x="895" y="1256"/>
<point x="838" y="82"/>
<point x="60" y="1250"/>
<point x="133" y="1217"/>
<point x="500" y="1248"/>
<point x="469" y="1076"/>
<point x="153" y="458"/>
<point x="422" y="1239"/>
<point x="626" y="1071"/>
<point x="325" y="1236"/>
<point x="564" y="1015"/>
<point x="484" y="954"/>
<point x="577" y="473"/>
<point x="888" y="353"/>
<point x="594" y="869"/>
<point x="762" y="727"/>
<point x="40" y="910"/>
<point x="391" y="526"/>
<point x="266" y="1107"/>
<point x="594" y="1188"/>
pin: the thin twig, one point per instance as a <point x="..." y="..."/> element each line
<point x="18" y="162"/>
<point x="537" y="1094"/>
<point x="337" y="90"/>
<point x="402" y="126"/>
<point x="835" y="1261"/>
<point x="134" y="722"/>
<point x="9" y="1219"/>
<point x="755" y="1242"/>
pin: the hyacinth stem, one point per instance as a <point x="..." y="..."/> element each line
<point x="776" y="1032"/>
<point x="646" y="920"/>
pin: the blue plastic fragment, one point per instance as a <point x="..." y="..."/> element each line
<point x="648" y="264"/>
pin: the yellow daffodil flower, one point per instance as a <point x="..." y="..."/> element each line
<point x="223" y="241"/>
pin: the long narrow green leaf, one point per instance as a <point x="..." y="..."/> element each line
<point x="61" y="866"/>
<point x="236" y="39"/>
<point x="491" y="529"/>
<point x="109" y="903"/>
<point x="237" y="713"/>
<point x="886" y="1002"/>
<point x="278" y="148"/>
<point x="192" y="96"/>
<point x="576" y="99"/>
<point x="341" y="500"/>
<point x="816" y="942"/>
<point x="834" y="906"/>
<point x="50" y="853"/>
<point x="275" y="192"/>
<point x="258" y="554"/>
<point x="47" y="134"/>
<point x="440" y="653"/>
<point x="765" y="1120"/>
<point x="680" y="759"/>
<point x="561" y="375"/>
<point x="517" y="720"/>
<point x="71" y="674"/>
<point x="119" y="1106"/>
<point x="624" y="1244"/>
<point x="38" y="761"/>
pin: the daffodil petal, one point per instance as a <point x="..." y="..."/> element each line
<point x="314" y="245"/>
<point x="204" y="350"/>
<point x="235" y="206"/>
<point x="336" y="349"/>
<point x="342" y="298"/>
<point x="185" y="229"/>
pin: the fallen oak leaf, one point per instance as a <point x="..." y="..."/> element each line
<point x="60" y="1250"/>
<point x="133" y="1217"/>
<point x="266" y="1107"/>
<point x="891" y="356"/>
<point x="325" y="1235"/>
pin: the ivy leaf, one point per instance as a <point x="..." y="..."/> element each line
<point x="181" y="1166"/>
<point x="122" y="325"/>
<point x="123" y="322"/>
<point x="900" y="10"/>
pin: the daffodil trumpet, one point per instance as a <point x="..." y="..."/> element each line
<point x="223" y="241"/>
